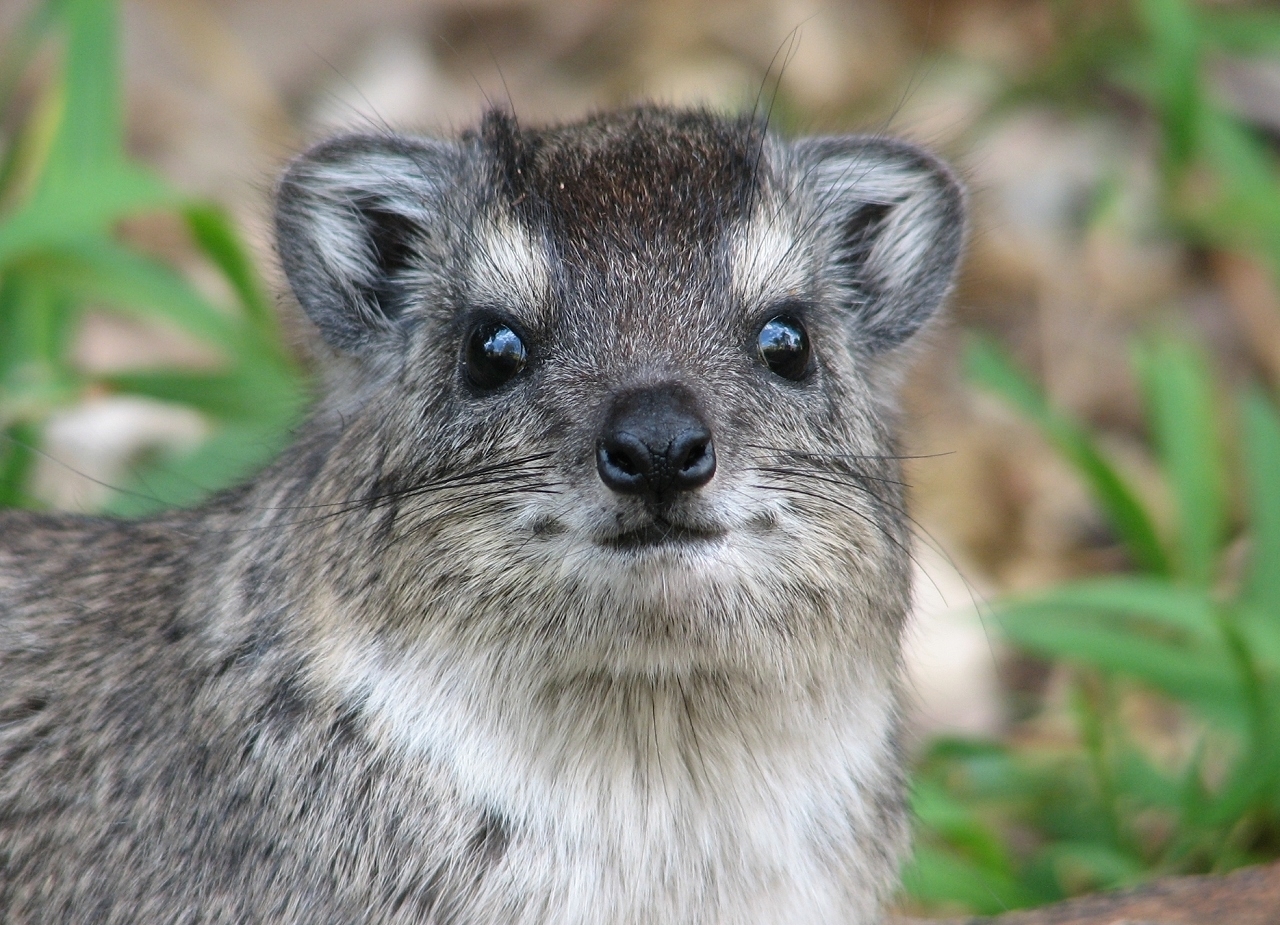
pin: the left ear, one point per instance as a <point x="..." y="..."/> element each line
<point x="891" y="219"/>
<point x="359" y="218"/>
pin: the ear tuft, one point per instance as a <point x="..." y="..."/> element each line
<point x="892" y="221"/>
<point x="359" y="221"/>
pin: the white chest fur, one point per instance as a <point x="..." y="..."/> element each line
<point x="663" y="801"/>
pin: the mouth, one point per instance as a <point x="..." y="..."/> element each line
<point x="662" y="533"/>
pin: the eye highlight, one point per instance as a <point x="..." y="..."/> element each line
<point x="783" y="344"/>
<point x="494" y="354"/>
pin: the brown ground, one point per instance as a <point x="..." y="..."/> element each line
<point x="1246" y="897"/>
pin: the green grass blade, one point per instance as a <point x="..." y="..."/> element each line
<point x="1197" y="672"/>
<point x="954" y="820"/>
<point x="105" y="272"/>
<point x="92" y="128"/>
<point x="938" y="875"/>
<point x="234" y="453"/>
<point x="1188" y="611"/>
<point x="82" y="206"/>
<point x="1183" y="420"/>
<point x="1245" y="215"/>
<point x="1173" y="38"/>
<point x="27" y="154"/>
<point x="1100" y="865"/>
<point x="1243" y="31"/>
<point x="1262" y="473"/>
<point x="218" y="240"/>
<point x="249" y="393"/>
<point x="37" y="325"/>
<point x="1141" y="780"/>
<point x="17" y="458"/>
<point x="990" y="367"/>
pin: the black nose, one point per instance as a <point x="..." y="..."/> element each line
<point x="655" y="444"/>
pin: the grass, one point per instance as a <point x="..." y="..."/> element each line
<point x="66" y="187"/>
<point x="1191" y="631"/>
<point x="1025" y="822"/>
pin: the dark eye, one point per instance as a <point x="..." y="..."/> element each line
<point x="494" y="354"/>
<point x="784" y="347"/>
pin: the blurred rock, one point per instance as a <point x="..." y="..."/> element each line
<point x="952" y="681"/>
<point x="112" y="343"/>
<point x="88" y="450"/>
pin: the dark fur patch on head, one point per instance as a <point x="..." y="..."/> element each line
<point x="630" y="177"/>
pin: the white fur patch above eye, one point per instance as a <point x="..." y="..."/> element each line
<point x="768" y="261"/>
<point x="507" y="268"/>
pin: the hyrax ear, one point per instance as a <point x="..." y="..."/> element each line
<point x="359" y="223"/>
<point x="891" y="223"/>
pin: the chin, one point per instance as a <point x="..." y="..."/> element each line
<point x="670" y="606"/>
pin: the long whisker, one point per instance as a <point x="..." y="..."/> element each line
<point x="472" y="504"/>
<point x="797" y="454"/>
<point x="921" y="532"/>
<point x="842" y="505"/>
<point x="526" y="479"/>
<point x="834" y="475"/>
<point x="442" y="481"/>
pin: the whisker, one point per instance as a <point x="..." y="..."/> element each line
<point x="511" y="482"/>
<point x="471" y="505"/>
<point x="895" y="541"/>
<point x="835" y="502"/>
<point x="456" y="479"/>
<point x="917" y="528"/>
<point x="797" y="454"/>
<point x="833" y="476"/>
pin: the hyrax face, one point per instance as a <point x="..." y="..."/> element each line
<point x="621" y="385"/>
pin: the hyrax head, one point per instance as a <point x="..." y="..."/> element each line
<point x="623" y="382"/>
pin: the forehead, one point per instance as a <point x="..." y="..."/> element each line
<point x="628" y="180"/>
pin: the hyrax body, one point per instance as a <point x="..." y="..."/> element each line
<point x="577" y="600"/>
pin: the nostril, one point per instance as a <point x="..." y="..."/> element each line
<point x="620" y="462"/>
<point x="624" y="463"/>
<point x="693" y="459"/>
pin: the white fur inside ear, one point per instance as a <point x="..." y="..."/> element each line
<point x="397" y="183"/>
<point x="911" y="222"/>
<point x="361" y="222"/>
<point x="909" y="231"/>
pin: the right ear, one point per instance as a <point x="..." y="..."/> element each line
<point x="359" y="221"/>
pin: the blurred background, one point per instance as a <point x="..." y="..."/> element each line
<point x="1096" y="482"/>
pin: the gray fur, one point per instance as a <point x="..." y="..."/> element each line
<point x="408" y="674"/>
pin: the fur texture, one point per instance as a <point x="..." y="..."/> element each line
<point x="427" y="667"/>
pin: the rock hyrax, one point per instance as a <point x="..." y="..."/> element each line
<point x="579" y="597"/>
